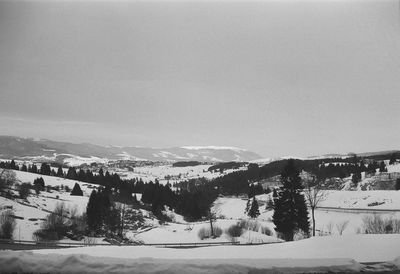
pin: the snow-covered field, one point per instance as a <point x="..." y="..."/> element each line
<point x="167" y="173"/>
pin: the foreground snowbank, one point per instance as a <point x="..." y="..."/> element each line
<point x="37" y="263"/>
<point x="362" y="248"/>
<point x="319" y="254"/>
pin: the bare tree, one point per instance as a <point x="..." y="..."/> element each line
<point x="314" y="196"/>
<point x="342" y="226"/>
<point x="7" y="178"/>
<point x="212" y="216"/>
<point x="329" y="227"/>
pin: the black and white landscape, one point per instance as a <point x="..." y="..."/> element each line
<point x="199" y="136"/>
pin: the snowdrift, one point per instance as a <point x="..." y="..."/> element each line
<point x="319" y="254"/>
<point x="30" y="262"/>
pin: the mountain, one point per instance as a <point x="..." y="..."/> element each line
<point x="15" y="147"/>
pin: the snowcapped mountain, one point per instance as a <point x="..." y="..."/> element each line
<point x="12" y="147"/>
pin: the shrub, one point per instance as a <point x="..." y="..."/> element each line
<point x="300" y="235"/>
<point x="377" y="225"/>
<point x="205" y="232"/>
<point x="265" y="230"/>
<point x="24" y="190"/>
<point x="234" y="231"/>
<point x="340" y="227"/>
<point x="89" y="241"/>
<point x="252" y="225"/>
<point x="55" y="226"/>
<point x="7" y="224"/>
<point x="7" y="178"/>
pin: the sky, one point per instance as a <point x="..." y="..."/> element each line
<point x="278" y="77"/>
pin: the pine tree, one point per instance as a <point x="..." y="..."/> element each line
<point x="77" y="191"/>
<point x="392" y="159"/>
<point x="290" y="214"/>
<point x="45" y="169"/>
<point x="397" y="186"/>
<point x="382" y="167"/>
<point x="38" y="184"/>
<point x="254" y="212"/>
<point x="60" y="172"/>
<point x="24" y="168"/>
<point x="248" y="204"/>
<point x="93" y="213"/>
<point x="356" y="178"/>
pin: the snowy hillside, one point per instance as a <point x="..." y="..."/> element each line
<point x="32" y="211"/>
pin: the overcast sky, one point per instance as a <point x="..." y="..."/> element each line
<point x="276" y="77"/>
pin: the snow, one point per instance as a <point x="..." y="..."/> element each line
<point x="31" y="262"/>
<point x="167" y="173"/>
<point x="362" y="248"/>
<point x="37" y="207"/>
<point x="213" y="147"/>
<point x="363" y="199"/>
<point x="317" y="255"/>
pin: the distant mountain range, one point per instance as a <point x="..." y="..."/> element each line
<point x="15" y="147"/>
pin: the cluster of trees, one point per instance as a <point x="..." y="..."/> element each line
<point x="252" y="208"/>
<point x="102" y="214"/>
<point x="192" y="201"/>
<point x="346" y="169"/>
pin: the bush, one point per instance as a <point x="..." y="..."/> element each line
<point x="376" y="225"/>
<point x="7" y="225"/>
<point x="234" y="231"/>
<point x="252" y="225"/>
<point x="205" y="232"/>
<point x="55" y="226"/>
<point x="24" y="190"/>
<point x="300" y="235"/>
<point x="7" y="178"/>
<point x="265" y="230"/>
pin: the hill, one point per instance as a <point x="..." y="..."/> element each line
<point x="64" y="152"/>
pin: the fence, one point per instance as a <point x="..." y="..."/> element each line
<point x="20" y="244"/>
<point x="33" y="244"/>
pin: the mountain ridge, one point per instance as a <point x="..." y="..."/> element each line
<point x="12" y="146"/>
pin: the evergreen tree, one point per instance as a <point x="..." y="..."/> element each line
<point x="392" y="159"/>
<point x="356" y="178"/>
<point x="24" y="168"/>
<point x="248" y="205"/>
<point x="38" y="185"/>
<point x="13" y="165"/>
<point x="45" y="169"/>
<point x="397" y="186"/>
<point x="34" y="169"/>
<point x="60" y="172"/>
<point x="254" y="212"/>
<point x="382" y="167"/>
<point x="290" y="214"/>
<point x="77" y="191"/>
<point x="93" y="214"/>
<point x="71" y="174"/>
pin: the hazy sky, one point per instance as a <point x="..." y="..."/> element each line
<point x="277" y="77"/>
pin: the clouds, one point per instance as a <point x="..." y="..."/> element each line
<point x="267" y="75"/>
